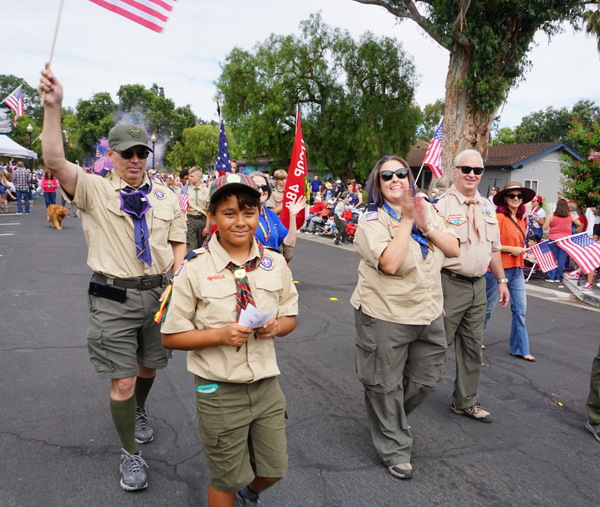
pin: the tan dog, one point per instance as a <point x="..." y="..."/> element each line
<point x="56" y="214"/>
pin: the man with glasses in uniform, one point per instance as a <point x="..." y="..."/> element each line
<point x="473" y="218"/>
<point x="135" y="234"/>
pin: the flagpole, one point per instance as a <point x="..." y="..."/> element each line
<point x="53" y="44"/>
<point x="296" y="130"/>
<point x="419" y="174"/>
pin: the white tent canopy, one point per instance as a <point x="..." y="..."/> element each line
<point x="8" y="148"/>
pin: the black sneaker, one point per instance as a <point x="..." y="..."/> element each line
<point x="144" y="434"/>
<point x="474" y="412"/>
<point x="241" y="501"/>
<point x="133" y="475"/>
<point x="401" y="473"/>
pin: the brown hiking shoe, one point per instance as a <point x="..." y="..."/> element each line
<point x="474" y="412"/>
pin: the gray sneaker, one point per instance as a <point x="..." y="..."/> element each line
<point x="144" y="434"/>
<point x="241" y="501"/>
<point x="474" y="412"/>
<point x="401" y="471"/>
<point x="594" y="429"/>
<point x="133" y="475"/>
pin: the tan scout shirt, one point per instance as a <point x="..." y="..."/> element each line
<point x="412" y="295"/>
<point x="109" y="231"/>
<point x="473" y="261"/>
<point x="199" y="206"/>
<point x="204" y="297"/>
<point x="272" y="201"/>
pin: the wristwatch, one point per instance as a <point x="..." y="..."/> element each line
<point x="503" y="280"/>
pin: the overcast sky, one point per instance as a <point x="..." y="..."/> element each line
<point x="97" y="50"/>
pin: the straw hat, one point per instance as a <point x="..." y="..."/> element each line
<point x="528" y="193"/>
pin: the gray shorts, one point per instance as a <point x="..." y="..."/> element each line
<point x="122" y="335"/>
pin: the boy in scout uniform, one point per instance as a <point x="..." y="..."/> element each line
<point x="196" y="211"/>
<point x="241" y="408"/>
<point x="135" y="233"/>
<point x="473" y="218"/>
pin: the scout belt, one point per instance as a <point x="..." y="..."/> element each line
<point x="452" y="274"/>
<point x="138" y="282"/>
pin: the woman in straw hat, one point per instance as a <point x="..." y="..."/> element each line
<point x="510" y="211"/>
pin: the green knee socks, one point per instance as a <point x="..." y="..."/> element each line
<point x="142" y="389"/>
<point x="123" y="414"/>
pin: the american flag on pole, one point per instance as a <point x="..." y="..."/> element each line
<point x="97" y="152"/>
<point x="544" y="257"/>
<point x="40" y="137"/>
<point x="433" y="157"/>
<point x="183" y="198"/>
<point x="223" y="164"/>
<point x="152" y="14"/>
<point x="66" y="136"/>
<point x="584" y="250"/>
<point x="15" y="102"/>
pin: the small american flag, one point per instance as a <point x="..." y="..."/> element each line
<point x="584" y="250"/>
<point x="223" y="161"/>
<point x="97" y="152"/>
<point x="152" y="14"/>
<point x="183" y="198"/>
<point x="15" y="102"/>
<point x="66" y="136"/>
<point x="544" y="257"/>
<point x="433" y="157"/>
<point x="40" y="137"/>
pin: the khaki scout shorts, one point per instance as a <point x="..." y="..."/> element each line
<point x="242" y="428"/>
<point x="122" y="335"/>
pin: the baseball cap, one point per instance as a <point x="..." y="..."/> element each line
<point x="338" y="181"/>
<point x="127" y="135"/>
<point x="231" y="182"/>
<point x="537" y="198"/>
<point x="151" y="171"/>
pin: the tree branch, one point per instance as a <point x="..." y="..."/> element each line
<point x="384" y="3"/>
<point x="462" y="14"/>
<point x="415" y="15"/>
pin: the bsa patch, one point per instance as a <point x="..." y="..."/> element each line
<point x="456" y="219"/>
<point x="233" y="178"/>
<point x="488" y="213"/>
<point x="159" y="194"/>
<point x="267" y="263"/>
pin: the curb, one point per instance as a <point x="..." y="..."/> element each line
<point x="586" y="296"/>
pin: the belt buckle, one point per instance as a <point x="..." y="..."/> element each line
<point x="145" y="284"/>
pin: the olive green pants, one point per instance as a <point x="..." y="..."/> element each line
<point x="593" y="401"/>
<point x="399" y="366"/>
<point x="194" y="237"/>
<point x="465" y="304"/>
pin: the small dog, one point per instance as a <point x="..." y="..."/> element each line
<point x="56" y="214"/>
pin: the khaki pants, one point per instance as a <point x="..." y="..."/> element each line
<point x="194" y="238"/>
<point x="465" y="304"/>
<point x="399" y="366"/>
<point x="593" y="401"/>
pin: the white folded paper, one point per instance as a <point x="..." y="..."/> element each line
<point x="253" y="318"/>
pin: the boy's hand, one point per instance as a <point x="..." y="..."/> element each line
<point x="235" y="335"/>
<point x="269" y="330"/>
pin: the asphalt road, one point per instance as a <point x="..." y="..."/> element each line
<point x="58" y="446"/>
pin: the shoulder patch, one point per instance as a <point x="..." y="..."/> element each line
<point x="190" y="255"/>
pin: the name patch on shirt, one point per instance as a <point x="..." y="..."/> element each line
<point x="457" y="219"/>
<point x="267" y="263"/>
<point x="159" y="194"/>
<point x="216" y="277"/>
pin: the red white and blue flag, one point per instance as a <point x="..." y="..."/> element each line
<point x="223" y="163"/>
<point x="183" y="198"/>
<point x="152" y="14"/>
<point x="583" y="250"/>
<point x="543" y="256"/>
<point x="15" y="102"/>
<point x="433" y="157"/>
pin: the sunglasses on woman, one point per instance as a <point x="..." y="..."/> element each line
<point x="263" y="188"/>
<point x="514" y="196"/>
<point x="400" y="173"/>
<point x="466" y="169"/>
<point x="129" y="153"/>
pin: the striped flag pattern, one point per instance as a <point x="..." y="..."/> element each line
<point x="15" y="102"/>
<point x="183" y="198"/>
<point x="152" y="14"/>
<point x="544" y="257"/>
<point x="433" y="157"/>
<point x="584" y="250"/>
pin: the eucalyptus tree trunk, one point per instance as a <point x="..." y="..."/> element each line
<point x="465" y="127"/>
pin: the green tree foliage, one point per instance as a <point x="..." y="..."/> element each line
<point x="199" y="146"/>
<point x="31" y="99"/>
<point x="95" y="117"/>
<point x="431" y="116"/>
<point x="582" y="178"/>
<point x="488" y="42"/>
<point x="356" y="97"/>
<point x="505" y="135"/>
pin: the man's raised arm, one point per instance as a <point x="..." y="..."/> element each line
<point x="52" y="146"/>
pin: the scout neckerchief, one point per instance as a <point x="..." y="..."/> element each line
<point x="135" y="203"/>
<point x="264" y="215"/>
<point x="244" y="294"/>
<point x="415" y="234"/>
<point x="472" y="217"/>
